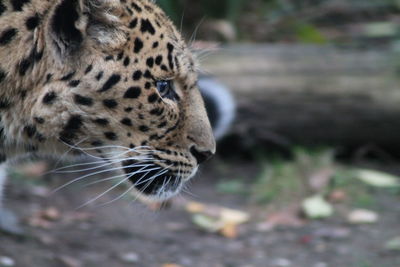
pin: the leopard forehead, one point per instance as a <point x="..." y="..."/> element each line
<point x="87" y="76"/>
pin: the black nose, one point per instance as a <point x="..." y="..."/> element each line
<point x="201" y="156"/>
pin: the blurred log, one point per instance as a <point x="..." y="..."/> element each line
<point x="312" y="95"/>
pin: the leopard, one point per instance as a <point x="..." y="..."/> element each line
<point x="109" y="79"/>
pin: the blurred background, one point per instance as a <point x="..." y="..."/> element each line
<point x="307" y="175"/>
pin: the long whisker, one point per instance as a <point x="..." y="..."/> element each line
<point x="118" y="198"/>
<point x="91" y="174"/>
<point x="115" y="177"/>
<point x="104" y="193"/>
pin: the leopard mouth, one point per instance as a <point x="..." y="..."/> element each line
<point x="153" y="180"/>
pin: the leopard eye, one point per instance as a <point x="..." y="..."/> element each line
<point x="167" y="90"/>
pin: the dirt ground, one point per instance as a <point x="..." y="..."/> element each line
<point x="129" y="234"/>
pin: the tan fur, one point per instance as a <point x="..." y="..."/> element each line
<point x="106" y="31"/>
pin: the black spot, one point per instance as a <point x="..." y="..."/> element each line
<point x="164" y="68"/>
<point x="170" y="48"/>
<point x="154" y="111"/>
<point x="30" y="130"/>
<point x="162" y="125"/>
<point x="128" y="9"/>
<point x="127" y="61"/>
<point x="23" y="93"/>
<point x="89" y="69"/>
<point x="69" y="131"/>
<point x="49" y="98"/>
<point x="136" y="7"/>
<point x="97" y="143"/>
<point x="113" y="80"/>
<point x="4" y="104"/>
<point x="133" y="23"/>
<point x="74" y="83"/>
<point x="138" y="45"/>
<point x="24" y="65"/>
<point x="68" y="76"/>
<point x="120" y="56"/>
<point x="148" y="75"/>
<point x="137" y="75"/>
<point x="83" y="100"/>
<point x="144" y="128"/>
<point x="99" y="75"/>
<point x="110" y="136"/>
<point x="2" y="75"/>
<point x="150" y="62"/>
<point x="147" y="85"/>
<point x="102" y="122"/>
<point x="110" y="103"/>
<point x="18" y="4"/>
<point x="107" y="58"/>
<point x="39" y="120"/>
<point x="159" y="60"/>
<point x="7" y="36"/>
<point x="2" y="8"/>
<point x="155" y="44"/>
<point x="129" y="109"/>
<point x="147" y="27"/>
<point x="126" y="122"/>
<point x="32" y="22"/>
<point x="153" y="98"/>
<point x="133" y="92"/>
<point x="48" y="77"/>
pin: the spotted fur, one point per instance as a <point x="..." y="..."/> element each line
<point x="82" y="76"/>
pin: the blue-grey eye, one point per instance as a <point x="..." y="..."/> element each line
<point x="167" y="90"/>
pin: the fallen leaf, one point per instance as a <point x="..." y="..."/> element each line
<point x="393" y="244"/>
<point x="195" y="207"/>
<point x="317" y="207"/>
<point x="288" y="218"/>
<point x="338" y="196"/>
<point x="231" y="216"/>
<point x="378" y="179"/>
<point x="6" y="261"/>
<point x="230" y="231"/>
<point x="362" y="217"/>
<point x="207" y="223"/>
<point x="44" y="218"/>
<point x="51" y="214"/>
<point x="215" y="219"/>
<point x="129" y="257"/>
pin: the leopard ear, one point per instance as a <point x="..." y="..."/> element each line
<point x="64" y="30"/>
<point x="74" y="20"/>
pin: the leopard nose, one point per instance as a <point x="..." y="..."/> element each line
<point x="201" y="156"/>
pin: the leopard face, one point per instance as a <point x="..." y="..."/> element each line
<point x="115" y="81"/>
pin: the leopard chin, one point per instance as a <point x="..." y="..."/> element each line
<point x="155" y="182"/>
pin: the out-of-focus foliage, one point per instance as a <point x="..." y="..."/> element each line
<point x="308" y="21"/>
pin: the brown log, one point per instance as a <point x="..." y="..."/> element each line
<point x="312" y="95"/>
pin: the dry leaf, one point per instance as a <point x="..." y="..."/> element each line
<point x="338" y="196"/>
<point x="316" y="207"/>
<point x="378" y="179"/>
<point x="230" y="231"/>
<point x="195" y="207"/>
<point x="362" y="217"/>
